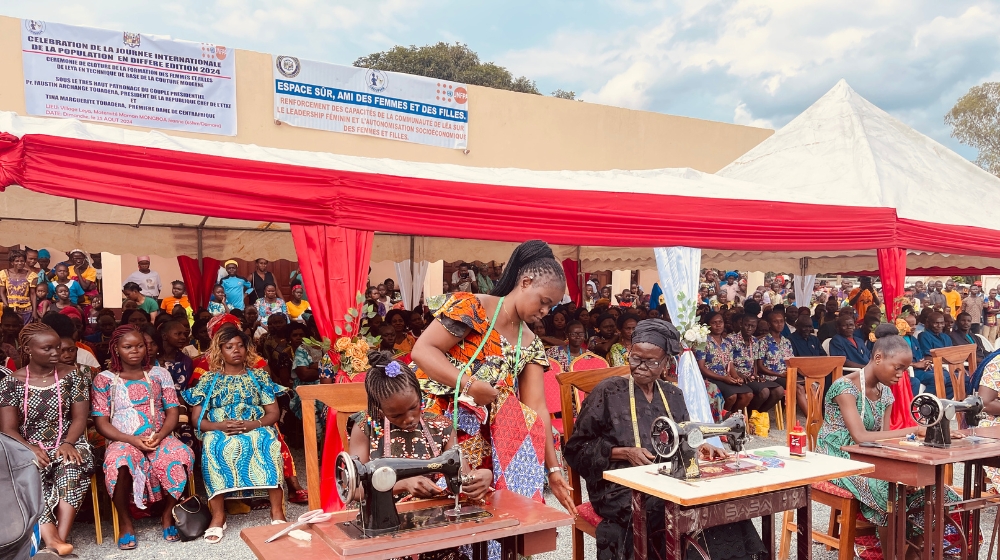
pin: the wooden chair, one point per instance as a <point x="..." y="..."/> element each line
<point x="844" y="507"/>
<point x="961" y="361"/>
<point x="552" y="398"/>
<point x="95" y="498"/>
<point x="571" y="382"/>
<point x="345" y="399"/>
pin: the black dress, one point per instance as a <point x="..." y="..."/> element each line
<point x="605" y="422"/>
<point x="259" y="284"/>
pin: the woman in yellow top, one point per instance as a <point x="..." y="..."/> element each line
<point x="404" y="339"/>
<point x="17" y="287"/>
<point x="296" y="305"/>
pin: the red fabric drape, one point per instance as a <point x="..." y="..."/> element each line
<point x="571" y="268"/>
<point x="209" y="278"/>
<point x="334" y="263"/>
<point x="191" y="275"/>
<point x="199" y="284"/>
<point x="892" y="272"/>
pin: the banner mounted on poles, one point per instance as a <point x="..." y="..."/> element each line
<point x="370" y="102"/>
<point x="128" y="78"/>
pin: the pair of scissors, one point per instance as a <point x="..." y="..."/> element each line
<point x="314" y="516"/>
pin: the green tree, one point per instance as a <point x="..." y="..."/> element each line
<point x="975" y="121"/>
<point x="456" y="63"/>
<point x="563" y="94"/>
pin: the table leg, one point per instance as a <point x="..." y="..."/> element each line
<point x="889" y="548"/>
<point x="508" y="548"/>
<point x="767" y="535"/>
<point x="978" y="483"/>
<point x="939" y="511"/>
<point x="480" y="550"/>
<point x="928" y="523"/>
<point x="803" y="520"/>
<point x="899" y="519"/>
<point x="674" y="539"/>
<point x="639" y="525"/>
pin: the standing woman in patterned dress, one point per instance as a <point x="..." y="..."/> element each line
<point x="136" y="409"/>
<point x="44" y="406"/>
<point x="480" y="348"/>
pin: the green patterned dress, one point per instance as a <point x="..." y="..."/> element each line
<point x="871" y="492"/>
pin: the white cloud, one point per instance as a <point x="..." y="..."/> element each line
<point x="761" y="62"/>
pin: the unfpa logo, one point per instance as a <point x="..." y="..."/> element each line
<point x="376" y="80"/>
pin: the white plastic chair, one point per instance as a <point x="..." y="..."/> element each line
<point x="826" y="348"/>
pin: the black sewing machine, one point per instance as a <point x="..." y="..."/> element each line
<point x="378" y="515"/>
<point x="678" y="443"/>
<point x="936" y="415"/>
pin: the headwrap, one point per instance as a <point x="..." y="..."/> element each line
<point x="71" y="312"/>
<point x="658" y="333"/>
<point x="593" y="285"/>
<point x="81" y="251"/>
<point x="229" y="262"/>
<point x="44" y="254"/>
<point x="216" y="323"/>
<point x="603" y="302"/>
<point x="732" y="274"/>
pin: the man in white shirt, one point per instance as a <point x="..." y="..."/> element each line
<point x="148" y="280"/>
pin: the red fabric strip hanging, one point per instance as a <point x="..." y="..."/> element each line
<point x="191" y="275"/>
<point x="571" y="268"/>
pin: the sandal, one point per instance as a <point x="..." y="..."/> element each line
<point x="170" y="534"/>
<point x="299" y="497"/>
<point x="213" y="535"/>
<point x="127" y="542"/>
<point x="278" y="522"/>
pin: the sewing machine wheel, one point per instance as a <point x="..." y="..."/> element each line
<point x="926" y="409"/>
<point x="665" y="437"/>
<point x="346" y="476"/>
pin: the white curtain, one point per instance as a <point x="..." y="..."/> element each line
<point x="678" y="268"/>
<point x="803" y="289"/>
<point x="411" y="281"/>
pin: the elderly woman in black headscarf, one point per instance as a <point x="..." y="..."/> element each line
<point x="613" y="432"/>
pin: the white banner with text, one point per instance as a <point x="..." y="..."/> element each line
<point x="128" y="78"/>
<point x="370" y="102"/>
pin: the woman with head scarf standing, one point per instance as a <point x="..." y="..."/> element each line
<point x="480" y="347"/>
<point x="613" y="431"/>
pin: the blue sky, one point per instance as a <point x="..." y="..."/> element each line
<point x="746" y="61"/>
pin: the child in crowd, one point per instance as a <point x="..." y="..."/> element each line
<point x="297" y="306"/>
<point x="42" y="297"/>
<point x="44" y="406"/>
<point x="217" y="305"/>
<point x="235" y="287"/>
<point x="177" y="297"/>
<point x="62" y="279"/>
<point x="135" y="408"/>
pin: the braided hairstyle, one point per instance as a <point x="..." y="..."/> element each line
<point x="381" y="385"/>
<point x="29" y="332"/>
<point x="532" y="258"/>
<point x="115" y="365"/>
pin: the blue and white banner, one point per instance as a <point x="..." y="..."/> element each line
<point x="370" y="102"/>
<point x="128" y="78"/>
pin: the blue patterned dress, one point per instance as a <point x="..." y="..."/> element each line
<point x="239" y="465"/>
<point x="773" y="352"/>
<point x="716" y="356"/>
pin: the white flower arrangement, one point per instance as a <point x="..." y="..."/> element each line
<point x="696" y="336"/>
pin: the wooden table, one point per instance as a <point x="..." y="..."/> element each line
<point x="525" y="527"/>
<point x="693" y="506"/>
<point x="903" y="465"/>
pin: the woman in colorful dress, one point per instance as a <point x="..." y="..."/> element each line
<point x="574" y="348"/>
<point x="618" y="354"/>
<point x="479" y="347"/>
<point x="135" y="408"/>
<point x="270" y="304"/>
<point x="743" y="355"/>
<point x="234" y="409"/>
<point x="727" y="390"/>
<point x="217" y="304"/>
<point x="44" y="406"/>
<point x="987" y="378"/>
<point x="17" y="287"/>
<point x="772" y="351"/>
<point x="858" y="407"/>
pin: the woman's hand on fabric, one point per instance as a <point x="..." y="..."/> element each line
<point x="636" y="456"/>
<point x="154" y="440"/>
<point x="562" y="491"/>
<point x="483" y="393"/>
<point x="234" y="427"/>
<point x="734" y="378"/>
<point x="422" y="487"/>
<point x="69" y="454"/>
<point x="707" y="452"/>
<point x="480" y="484"/>
<point x="141" y="444"/>
<point x="40" y="457"/>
